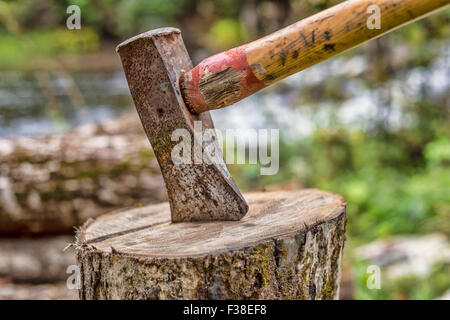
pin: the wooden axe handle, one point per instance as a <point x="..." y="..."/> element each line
<point x="230" y="76"/>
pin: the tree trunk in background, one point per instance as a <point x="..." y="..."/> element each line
<point x="288" y="246"/>
<point x="49" y="185"/>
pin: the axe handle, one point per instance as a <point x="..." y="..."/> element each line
<point x="230" y="76"/>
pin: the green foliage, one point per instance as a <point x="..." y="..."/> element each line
<point x="386" y="192"/>
<point x="408" y="286"/>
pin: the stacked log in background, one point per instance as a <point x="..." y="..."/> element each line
<point x="50" y="185"/>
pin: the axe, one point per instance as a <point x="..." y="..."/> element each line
<point x="171" y="95"/>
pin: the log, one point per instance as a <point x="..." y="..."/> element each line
<point x="288" y="246"/>
<point x="35" y="260"/>
<point x="53" y="291"/>
<point x="50" y="184"/>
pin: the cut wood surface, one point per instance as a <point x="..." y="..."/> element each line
<point x="288" y="246"/>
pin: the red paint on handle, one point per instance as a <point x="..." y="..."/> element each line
<point x="234" y="58"/>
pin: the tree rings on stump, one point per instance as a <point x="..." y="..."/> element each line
<point x="288" y="246"/>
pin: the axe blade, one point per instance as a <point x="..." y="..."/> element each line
<point x="153" y="62"/>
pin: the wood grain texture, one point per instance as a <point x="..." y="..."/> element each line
<point x="295" y="48"/>
<point x="219" y="81"/>
<point x="288" y="246"/>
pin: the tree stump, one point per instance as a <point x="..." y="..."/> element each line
<point x="288" y="246"/>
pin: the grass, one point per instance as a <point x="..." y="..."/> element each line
<point x="17" y="51"/>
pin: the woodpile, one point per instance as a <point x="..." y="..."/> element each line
<point x="50" y="185"/>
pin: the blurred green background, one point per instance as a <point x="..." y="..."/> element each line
<point x="372" y="124"/>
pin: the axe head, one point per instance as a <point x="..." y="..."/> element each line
<point x="198" y="190"/>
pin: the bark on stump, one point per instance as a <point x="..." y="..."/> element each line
<point x="288" y="246"/>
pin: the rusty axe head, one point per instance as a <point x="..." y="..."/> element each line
<point x="200" y="190"/>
